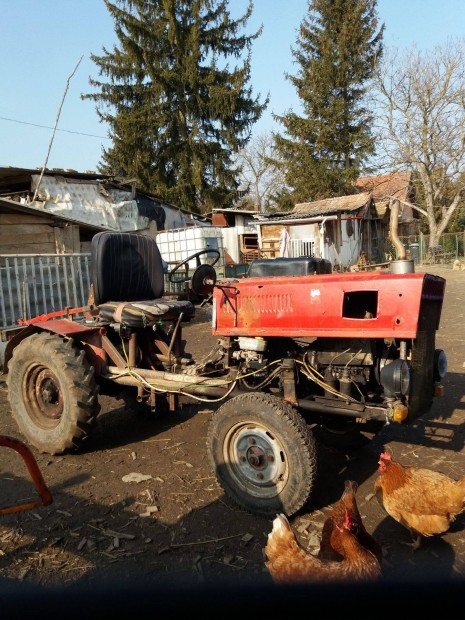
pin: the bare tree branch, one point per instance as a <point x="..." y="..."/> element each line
<point x="259" y="178"/>
<point x="421" y="111"/>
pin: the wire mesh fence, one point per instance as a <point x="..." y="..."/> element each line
<point x="450" y="247"/>
<point x="34" y="284"/>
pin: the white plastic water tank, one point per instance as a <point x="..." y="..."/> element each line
<point x="178" y="244"/>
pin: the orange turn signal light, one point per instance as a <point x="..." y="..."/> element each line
<point x="400" y="413"/>
<point x="438" y="390"/>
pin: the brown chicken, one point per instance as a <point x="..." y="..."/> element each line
<point x="337" y="518"/>
<point x="423" y="500"/>
<point x="289" y="563"/>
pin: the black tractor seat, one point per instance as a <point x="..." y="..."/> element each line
<point x="128" y="281"/>
<point x="143" y="313"/>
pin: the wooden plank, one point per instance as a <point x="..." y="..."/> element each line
<point x="27" y="240"/>
<point x="76" y="232"/>
<point x="32" y="248"/>
<point x="19" y="218"/>
<point x="25" y="230"/>
<point x="67" y="239"/>
<point x="272" y="232"/>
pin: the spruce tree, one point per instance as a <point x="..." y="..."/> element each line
<point x="177" y="111"/>
<point x="338" y="50"/>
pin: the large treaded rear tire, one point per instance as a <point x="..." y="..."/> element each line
<point x="52" y="392"/>
<point x="263" y="454"/>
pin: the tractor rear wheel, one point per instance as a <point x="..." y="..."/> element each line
<point x="52" y="392"/>
<point x="263" y="454"/>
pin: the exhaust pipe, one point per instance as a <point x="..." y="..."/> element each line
<point x="402" y="264"/>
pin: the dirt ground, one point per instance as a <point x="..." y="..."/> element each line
<point x="176" y="524"/>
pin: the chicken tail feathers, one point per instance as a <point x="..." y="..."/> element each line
<point x="280" y="524"/>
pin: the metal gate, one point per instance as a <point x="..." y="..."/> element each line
<point x="34" y="284"/>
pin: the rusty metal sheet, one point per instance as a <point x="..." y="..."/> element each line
<point x="367" y="305"/>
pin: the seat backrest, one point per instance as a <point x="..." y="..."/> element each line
<point x="126" y="267"/>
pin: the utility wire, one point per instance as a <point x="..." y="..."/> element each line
<point x="79" y="133"/>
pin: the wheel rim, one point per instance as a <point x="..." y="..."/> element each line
<point x="256" y="460"/>
<point x="44" y="396"/>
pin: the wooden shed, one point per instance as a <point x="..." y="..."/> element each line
<point x="337" y="229"/>
<point x="394" y="185"/>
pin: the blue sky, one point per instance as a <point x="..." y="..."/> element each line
<point x="42" y="42"/>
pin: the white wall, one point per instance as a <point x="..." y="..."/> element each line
<point x="302" y="235"/>
<point x="175" y="218"/>
<point x="349" y="251"/>
<point x="231" y="243"/>
<point x="244" y="225"/>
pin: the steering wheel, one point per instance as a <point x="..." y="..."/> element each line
<point x="185" y="262"/>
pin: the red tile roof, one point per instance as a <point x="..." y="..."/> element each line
<point x="385" y="186"/>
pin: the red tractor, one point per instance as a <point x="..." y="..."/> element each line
<point x="303" y="355"/>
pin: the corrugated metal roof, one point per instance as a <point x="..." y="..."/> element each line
<point x="88" y="202"/>
<point x="15" y="180"/>
<point x="12" y="205"/>
<point x="319" y="209"/>
<point x="233" y="210"/>
<point x="9" y="175"/>
<point x="332" y="205"/>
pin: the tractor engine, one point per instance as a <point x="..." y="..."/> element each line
<point x="358" y="345"/>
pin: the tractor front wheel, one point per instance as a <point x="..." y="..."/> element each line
<point x="263" y="454"/>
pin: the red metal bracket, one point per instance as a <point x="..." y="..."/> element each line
<point x="37" y="479"/>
